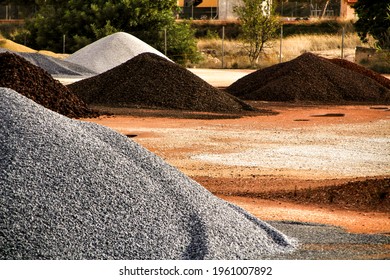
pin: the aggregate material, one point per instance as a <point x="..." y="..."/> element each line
<point x="310" y="78"/>
<point x="54" y="66"/>
<point x="150" y="81"/>
<point x="362" y="70"/>
<point x="111" y="51"/>
<point x="77" y="190"/>
<point x="37" y="84"/>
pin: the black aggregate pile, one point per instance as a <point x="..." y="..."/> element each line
<point x="309" y="78"/>
<point x="362" y="70"/>
<point x="37" y="84"/>
<point x="150" y="81"/>
<point x="77" y="190"/>
<point x="54" y="66"/>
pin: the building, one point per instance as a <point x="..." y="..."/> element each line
<point x="206" y="9"/>
<point x="346" y="10"/>
<point x="211" y="9"/>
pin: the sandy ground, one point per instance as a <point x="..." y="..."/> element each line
<point x="295" y="149"/>
<point x="289" y="148"/>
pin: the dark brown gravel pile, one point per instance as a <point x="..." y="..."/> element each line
<point x="150" y="81"/>
<point x="362" y="70"/>
<point x="35" y="83"/>
<point x="309" y="78"/>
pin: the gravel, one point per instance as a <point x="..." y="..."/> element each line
<point x="362" y="70"/>
<point x="150" y="81"/>
<point x="77" y="190"/>
<point x="323" y="242"/>
<point x="111" y="51"/>
<point x="309" y="78"/>
<point x="37" y="84"/>
<point x="54" y="66"/>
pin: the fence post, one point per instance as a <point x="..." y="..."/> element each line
<point x="342" y="43"/>
<point x="281" y="44"/>
<point x="165" y="41"/>
<point x="63" y="43"/>
<point x="223" y="47"/>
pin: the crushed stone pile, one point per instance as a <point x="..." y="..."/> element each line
<point x="54" y="66"/>
<point x="111" y="51"/>
<point x="309" y="78"/>
<point x="35" y="83"/>
<point x="150" y="81"/>
<point x="362" y="70"/>
<point x="78" y="190"/>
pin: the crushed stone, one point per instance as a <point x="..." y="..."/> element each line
<point x="111" y="51"/>
<point x="362" y="70"/>
<point x="309" y="78"/>
<point x="35" y="83"/>
<point x="54" y="66"/>
<point x="150" y="81"/>
<point x="78" y="190"/>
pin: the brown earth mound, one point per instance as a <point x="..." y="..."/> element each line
<point x="362" y="70"/>
<point x="150" y="81"/>
<point x="366" y="195"/>
<point x="309" y="78"/>
<point x="35" y="83"/>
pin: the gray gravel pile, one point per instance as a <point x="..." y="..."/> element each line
<point x="54" y="66"/>
<point x="77" y="190"/>
<point x="111" y="51"/>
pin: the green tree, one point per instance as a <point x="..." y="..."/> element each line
<point x="83" y="22"/>
<point x="373" y="20"/>
<point x="258" y="26"/>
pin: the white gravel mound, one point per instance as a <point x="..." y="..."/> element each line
<point x="111" y="51"/>
<point x="77" y="190"/>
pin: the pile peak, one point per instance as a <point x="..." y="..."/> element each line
<point x="77" y="190"/>
<point x="111" y="51"/>
<point x="35" y="83"/>
<point x="309" y="78"/>
<point x="150" y="81"/>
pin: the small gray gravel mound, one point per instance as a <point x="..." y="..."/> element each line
<point x="54" y="66"/>
<point x="77" y="190"/>
<point x="111" y="51"/>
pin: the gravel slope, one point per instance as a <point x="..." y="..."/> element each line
<point x="111" y="51"/>
<point x="37" y="84"/>
<point x="150" y="81"/>
<point x="310" y="78"/>
<point x="76" y="190"/>
<point x="54" y="66"/>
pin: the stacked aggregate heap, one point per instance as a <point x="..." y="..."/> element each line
<point x="150" y="81"/>
<point x="77" y="190"/>
<point x="362" y="70"/>
<point x="54" y="66"/>
<point x="309" y="78"/>
<point x="111" y="51"/>
<point x="35" y="83"/>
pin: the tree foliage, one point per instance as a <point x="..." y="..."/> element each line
<point x="373" y="20"/>
<point x="83" y="22"/>
<point x="258" y="26"/>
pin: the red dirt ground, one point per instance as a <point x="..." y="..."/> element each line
<point x="180" y="140"/>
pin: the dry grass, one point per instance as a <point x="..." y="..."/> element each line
<point x="293" y="46"/>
